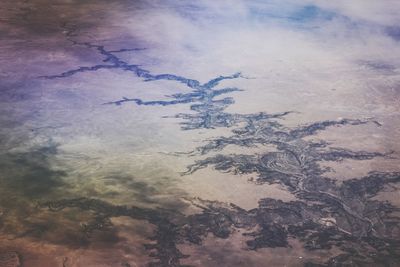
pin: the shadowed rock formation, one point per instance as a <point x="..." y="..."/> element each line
<point x="326" y="213"/>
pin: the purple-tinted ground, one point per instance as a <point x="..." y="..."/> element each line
<point x="199" y="133"/>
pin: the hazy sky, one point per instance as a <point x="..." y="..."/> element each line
<point x="323" y="60"/>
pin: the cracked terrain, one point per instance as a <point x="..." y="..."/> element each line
<point x="83" y="182"/>
<point x="326" y="213"/>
